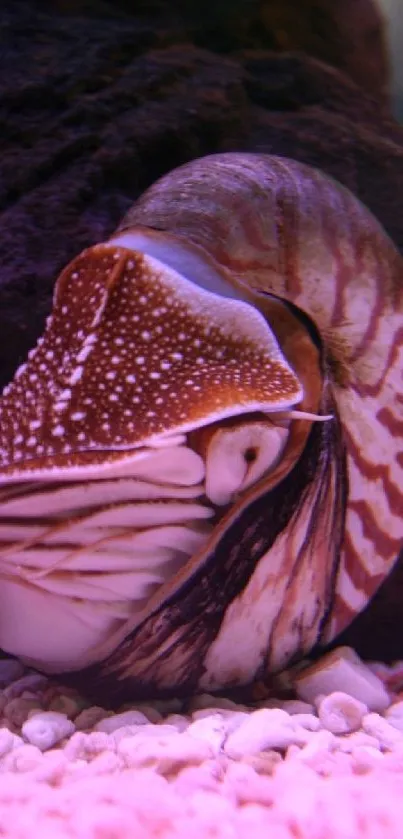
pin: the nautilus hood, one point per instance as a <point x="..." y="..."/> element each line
<point x="134" y="352"/>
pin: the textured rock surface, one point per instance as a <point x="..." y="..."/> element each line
<point x="96" y="103"/>
<point x="348" y="35"/>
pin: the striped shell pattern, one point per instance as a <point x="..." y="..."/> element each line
<point x="201" y="460"/>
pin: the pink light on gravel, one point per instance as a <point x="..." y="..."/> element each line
<point x="139" y="803"/>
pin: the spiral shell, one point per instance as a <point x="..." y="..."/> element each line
<point x="201" y="461"/>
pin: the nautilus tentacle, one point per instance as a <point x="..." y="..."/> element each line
<point x="200" y="462"/>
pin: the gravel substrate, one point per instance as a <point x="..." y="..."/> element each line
<point x="330" y="767"/>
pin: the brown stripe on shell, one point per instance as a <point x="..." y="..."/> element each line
<point x="379" y="473"/>
<point x="389" y="361"/>
<point x="354" y="567"/>
<point x="388" y="419"/>
<point x="276" y="226"/>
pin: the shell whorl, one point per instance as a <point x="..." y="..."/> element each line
<point x="275" y="226"/>
<point x="246" y="286"/>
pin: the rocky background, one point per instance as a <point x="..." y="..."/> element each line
<point x="99" y="99"/>
<point x="392" y="12"/>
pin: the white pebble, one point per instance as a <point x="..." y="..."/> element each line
<point x="77" y="770"/>
<point x="206" y="776"/>
<point x="23" y="759"/>
<point x="342" y="667"/>
<point x="83" y="746"/>
<point x="210" y="810"/>
<point x="380" y="728"/>
<point x="105" y="763"/>
<point x="320" y="743"/>
<point x="212" y="729"/>
<point x="46" y="729"/>
<point x="75" y="748"/>
<point x="142" y="730"/>
<point x="355" y="740"/>
<point x="97" y="742"/>
<point x="89" y="717"/>
<point x="51" y="767"/>
<point x="308" y="721"/>
<point x="248" y="786"/>
<point x="341" y="713"/>
<point x="206" y="700"/>
<point x="179" y="722"/>
<point x="302" y="735"/>
<point x="232" y="718"/>
<point x="153" y="730"/>
<point x="263" y="729"/>
<point x="109" y="724"/>
<point x="393" y="761"/>
<point x="365" y="758"/>
<point x="264" y="762"/>
<point x="291" y="752"/>
<point x="272" y="703"/>
<point x="167" y="754"/>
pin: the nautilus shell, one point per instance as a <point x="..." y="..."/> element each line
<point x="201" y="461"/>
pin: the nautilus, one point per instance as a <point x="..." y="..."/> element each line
<point x="201" y="461"/>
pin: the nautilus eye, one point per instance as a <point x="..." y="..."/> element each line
<point x="238" y="454"/>
<point x="200" y="461"/>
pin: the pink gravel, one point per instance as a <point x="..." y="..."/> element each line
<point x="332" y="769"/>
<point x="294" y="802"/>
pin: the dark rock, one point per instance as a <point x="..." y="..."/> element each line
<point x="348" y="34"/>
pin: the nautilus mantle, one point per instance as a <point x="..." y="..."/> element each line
<point x="201" y="460"/>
